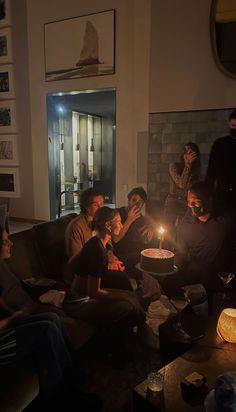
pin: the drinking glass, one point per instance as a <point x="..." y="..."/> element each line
<point x="179" y="303"/>
<point x="155" y="389"/>
<point x="226" y="277"/>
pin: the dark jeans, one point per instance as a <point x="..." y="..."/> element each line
<point x="104" y="313"/>
<point x="44" y="338"/>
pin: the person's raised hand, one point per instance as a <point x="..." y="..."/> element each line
<point x="189" y="157"/>
<point x="133" y="214"/>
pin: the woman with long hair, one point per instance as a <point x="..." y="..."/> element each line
<point x="183" y="174"/>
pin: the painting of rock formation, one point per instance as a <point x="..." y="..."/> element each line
<point x="80" y="47"/>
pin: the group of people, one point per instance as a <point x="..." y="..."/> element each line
<point x="103" y="247"/>
<point x="201" y="213"/>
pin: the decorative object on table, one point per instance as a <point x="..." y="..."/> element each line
<point x="8" y="150"/>
<point x="7" y="116"/>
<point x="197" y="296"/>
<point x="157" y="260"/>
<point x="223" y="397"/>
<point x="5" y="13"/>
<point x="6" y="82"/>
<point x="80" y="47"/>
<point x="192" y="384"/>
<point x="5" y="46"/>
<point x="9" y="182"/>
<point x="226" y="326"/>
<point x="226" y="277"/>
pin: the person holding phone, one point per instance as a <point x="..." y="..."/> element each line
<point x="183" y="174"/>
<point x="137" y="232"/>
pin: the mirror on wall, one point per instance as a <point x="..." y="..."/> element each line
<point x="223" y="35"/>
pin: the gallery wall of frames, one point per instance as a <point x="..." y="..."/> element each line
<point x="9" y="161"/>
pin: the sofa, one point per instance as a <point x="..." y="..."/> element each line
<point x="39" y="252"/>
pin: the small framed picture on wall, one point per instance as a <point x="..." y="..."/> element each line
<point x="8" y="150"/>
<point x="5" y="46"/>
<point x="5" y="13"/>
<point x="9" y="182"/>
<point x="6" y="82"/>
<point x="7" y="116"/>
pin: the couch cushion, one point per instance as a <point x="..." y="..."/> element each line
<point x="24" y="261"/>
<point x="50" y="241"/>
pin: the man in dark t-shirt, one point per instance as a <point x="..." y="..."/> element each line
<point x="205" y="243"/>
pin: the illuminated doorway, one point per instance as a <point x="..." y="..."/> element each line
<point x="81" y="146"/>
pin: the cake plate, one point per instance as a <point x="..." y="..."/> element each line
<point x="160" y="275"/>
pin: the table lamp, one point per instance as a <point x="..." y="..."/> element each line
<point x="226" y="326"/>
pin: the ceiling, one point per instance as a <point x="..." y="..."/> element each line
<point x="100" y="103"/>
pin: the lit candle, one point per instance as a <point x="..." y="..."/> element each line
<point x="161" y="232"/>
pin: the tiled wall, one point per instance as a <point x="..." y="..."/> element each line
<point x="168" y="132"/>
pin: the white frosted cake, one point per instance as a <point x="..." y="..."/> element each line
<point x="157" y="260"/>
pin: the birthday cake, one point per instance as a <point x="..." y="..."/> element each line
<point x="157" y="260"/>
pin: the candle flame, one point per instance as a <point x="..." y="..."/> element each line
<point x="161" y="230"/>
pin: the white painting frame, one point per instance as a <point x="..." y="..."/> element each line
<point x="5" y="46"/>
<point x="9" y="182"/>
<point x="7" y="116"/>
<point x="9" y="150"/>
<point x="7" y="90"/>
<point x="5" y="20"/>
<point x="80" y="46"/>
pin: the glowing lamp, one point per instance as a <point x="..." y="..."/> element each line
<point x="161" y="232"/>
<point x="226" y="326"/>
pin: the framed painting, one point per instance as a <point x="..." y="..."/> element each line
<point x="8" y="150"/>
<point x="80" y="47"/>
<point x="6" y="82"/>
<point x="7" y="116"/>
<point x="9" y="182"/>
<point x="5" y="46"/>
<point x="5" y="13"/>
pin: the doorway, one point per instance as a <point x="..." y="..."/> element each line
<point x="81" y="147"/>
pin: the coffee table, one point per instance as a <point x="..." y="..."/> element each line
<point x="209" y="362"/>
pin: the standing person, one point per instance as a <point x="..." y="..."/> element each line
<point x="221" y="172"/>
<point x="40" y="337"/>
<point x="183" y="174"/>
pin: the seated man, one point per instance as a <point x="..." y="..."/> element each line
<point x="205" y="243"/>
<point x="137" y="232"/>
<point x="79" y="231"/>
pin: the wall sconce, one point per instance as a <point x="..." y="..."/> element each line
<point x="77" y="146"/>
<point x="92" y="148"/>
<point x="226" y="326"/>
<point x="62" y="143"/>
